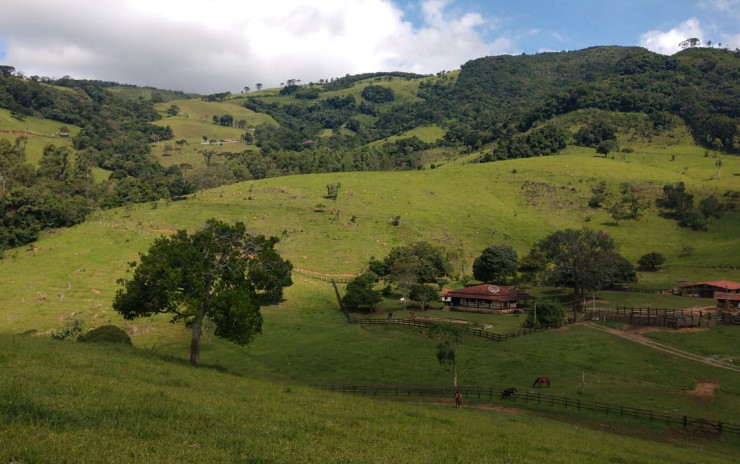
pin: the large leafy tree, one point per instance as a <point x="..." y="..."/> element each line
<point x="581" y="259"/>
<point x="495" y="264"/>
<point x="428" y="262"/>
<point x="205" y="274"/>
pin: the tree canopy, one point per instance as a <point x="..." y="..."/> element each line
<point x="209" y="273"/>
<point x="581" y="259"/>
<point x="496" y="263"/>
<point x="360" y="292"/>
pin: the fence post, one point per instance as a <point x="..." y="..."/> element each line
<point x="685" y="421"/>
<point x="719" y="427"/>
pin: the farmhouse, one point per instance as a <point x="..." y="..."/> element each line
<point x="484" y="298"/>
<point x="707" y="289"/>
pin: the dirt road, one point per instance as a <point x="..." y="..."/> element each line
<point x="637" y="338"/>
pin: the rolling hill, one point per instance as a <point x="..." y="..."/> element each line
<point x="422" y="179"/>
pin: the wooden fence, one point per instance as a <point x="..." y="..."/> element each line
<point x="728" y="319"/>
<point x="491" y="393"/>
<point x="655" y="317"/>
<point x="337" y="278"/>
<point x="472" y="332"/>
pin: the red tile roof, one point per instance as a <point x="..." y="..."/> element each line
<point x="488" y="292"/>
<point x="727" y="296"/>
<point x="723" y="284"/>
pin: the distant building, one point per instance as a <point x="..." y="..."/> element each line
<point x="727" y="300"/>
<point x="486" y="298"/>
<point x="707" y="289"/>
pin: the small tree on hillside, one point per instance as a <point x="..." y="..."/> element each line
<point x="450" y="340"/>
<point x="423" y="294"/>
<point x="332" y="190"/>
<point x="607" y="146"/>
<point x="651" y="261"/>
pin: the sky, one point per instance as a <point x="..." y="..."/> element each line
<point x="209" y="46"/>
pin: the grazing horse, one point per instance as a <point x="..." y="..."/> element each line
<point x="509" y="393"/>
<point x="458" y="400"/>
<point x="540" y="380"/>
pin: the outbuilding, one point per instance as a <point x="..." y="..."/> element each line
<point x="727" y="301"/>
<point x="486" y="298"/>
<point x="708" y="289"/>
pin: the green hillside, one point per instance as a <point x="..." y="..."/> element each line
<point x="40" y="132"/>
<point x="69" y="403"/>
<point x="568" y="135"/>
<point x="195" y="121"/>
<point x="462" y="207"/>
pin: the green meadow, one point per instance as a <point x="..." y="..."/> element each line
<point x="195" y="121"/>
<point x="45" y="131"/>
<point x="71" y="402"/>
<point x="66" y="402"/>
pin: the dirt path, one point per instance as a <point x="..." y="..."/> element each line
<point x="637" y="338"/>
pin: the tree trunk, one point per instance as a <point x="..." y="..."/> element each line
<point x="195" y="341"/>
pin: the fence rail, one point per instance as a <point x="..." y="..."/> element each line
<point x="491" y="393"/>
<point x="655" y="317"/>
<point x="338" y="278"/>
<point x="472" y="332"/>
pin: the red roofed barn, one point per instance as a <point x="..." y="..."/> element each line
<point x="707" y="289"/>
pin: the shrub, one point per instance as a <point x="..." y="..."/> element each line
<point x="548" y="314"/>
<point x="70" y="332"/>
<point x="106" y="334"/>
<point x="651" y="261"/>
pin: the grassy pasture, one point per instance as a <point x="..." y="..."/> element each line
<point x="195" y="121"/>
<point x="72" y="273"/>
<point x="45" y="128"/>
<point x="67" y="402"/>
<point x="202" y="110"/>
<point x="428" y="134"/>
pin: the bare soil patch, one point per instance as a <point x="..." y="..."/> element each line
<point x="703" y="390"/>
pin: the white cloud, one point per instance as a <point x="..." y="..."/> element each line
<point x="216" y="45"/>
<point x="666" y="43"/>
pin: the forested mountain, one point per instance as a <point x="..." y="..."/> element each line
<point x="496" y="107"/>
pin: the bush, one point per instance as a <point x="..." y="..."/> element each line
<point x="106" y="334"/>
<point x="548" y="314"/>
<point x="651" y="261"/>
<point x="70" y="332"/>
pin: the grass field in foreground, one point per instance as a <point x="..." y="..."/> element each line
<point x="72" y="402"/>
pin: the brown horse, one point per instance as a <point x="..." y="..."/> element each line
<point x="458" y="400"/>
<point x="540" y="380"/>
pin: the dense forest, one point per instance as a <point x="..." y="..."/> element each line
<point x="499" y="107"/>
